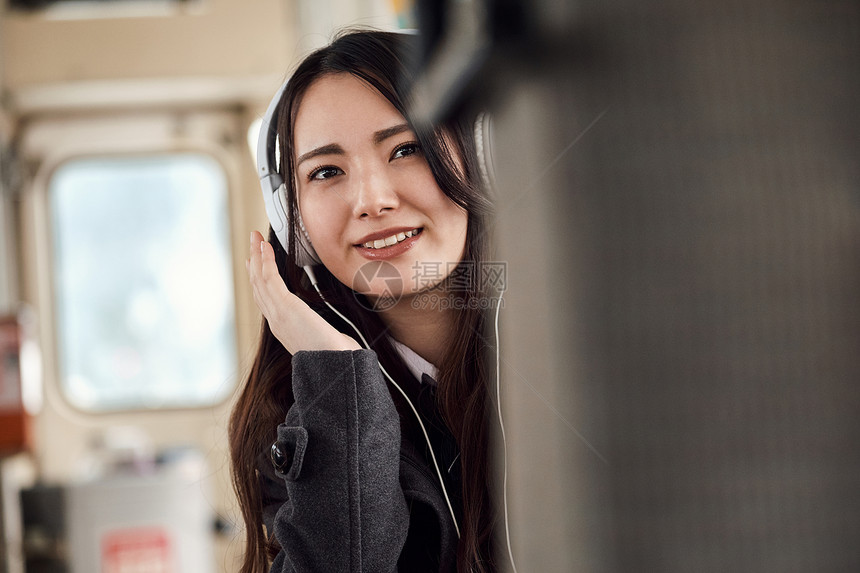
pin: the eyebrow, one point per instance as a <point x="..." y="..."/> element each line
<point x="335" y="149"/>
<point x="383" y="134"/>
<point x="330" y="149"/>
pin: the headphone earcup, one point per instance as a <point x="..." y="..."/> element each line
<point x="484" y="148"/>
<point x="305" y="253"/>
<point x="277" y="215"/>
<point x="274" y="195"/>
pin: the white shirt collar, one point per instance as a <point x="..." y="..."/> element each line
<point x="417" y="365"/>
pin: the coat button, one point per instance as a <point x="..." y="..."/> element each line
<point x="280" y="459"/>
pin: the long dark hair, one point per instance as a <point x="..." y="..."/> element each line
<point x="381" y="59"/>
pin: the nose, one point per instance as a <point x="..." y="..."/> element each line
<point x="376" y="192"/>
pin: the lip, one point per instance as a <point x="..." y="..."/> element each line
<point x="388" y="252"/>
<point x="382" y="234"/>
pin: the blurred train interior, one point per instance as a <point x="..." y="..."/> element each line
<point x="677" y="217"/>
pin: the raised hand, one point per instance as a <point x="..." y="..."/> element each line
<point x="291" y="320"/>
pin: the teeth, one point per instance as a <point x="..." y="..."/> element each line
<point x="388" y="241"/>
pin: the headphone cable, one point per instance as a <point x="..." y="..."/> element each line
<point x="309" y="271"/>
<point x="504" y="440"/>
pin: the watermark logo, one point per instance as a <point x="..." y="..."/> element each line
<point x="379" y="277"/>
<point x="460" y="277"/>
<point x="441" y="286"/>
<point x="436" y="301"/>
<point x="459" y="286"/>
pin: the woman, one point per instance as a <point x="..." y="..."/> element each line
<point x="326" y="453"/>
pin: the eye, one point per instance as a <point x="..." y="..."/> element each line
<point x="324" y="172"/>
<point x="406" y="149"/>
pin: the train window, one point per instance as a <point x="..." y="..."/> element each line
<point x="143" y="285"/>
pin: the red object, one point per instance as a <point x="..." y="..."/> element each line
<point x="14" y="420"/>
<point x="137" y="550"/>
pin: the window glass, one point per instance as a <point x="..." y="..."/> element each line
<point x="142" y="282"/>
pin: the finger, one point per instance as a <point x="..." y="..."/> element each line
<point x="254" y="255"/>
<point x="254" y="264"/>
<point x="256" y="239"/>
<point x="273" y="289"/>
<point x="270" y="292"/>
<point x="268" y="266"/>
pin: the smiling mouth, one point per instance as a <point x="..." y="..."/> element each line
<point x="392" y="240"/>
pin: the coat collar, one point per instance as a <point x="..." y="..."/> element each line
<point x="417" y="365"/>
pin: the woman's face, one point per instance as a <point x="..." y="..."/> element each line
<point x="366" y="193"/>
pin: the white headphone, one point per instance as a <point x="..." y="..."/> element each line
<point x="274" y="188"/>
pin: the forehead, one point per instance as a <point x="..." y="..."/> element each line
<point x="340" y="108"/>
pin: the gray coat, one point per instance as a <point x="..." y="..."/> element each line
<point x="353" y="496"/>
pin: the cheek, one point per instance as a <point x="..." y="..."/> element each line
<point x="457" y="230"/>
<point x="325" y="224"/>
